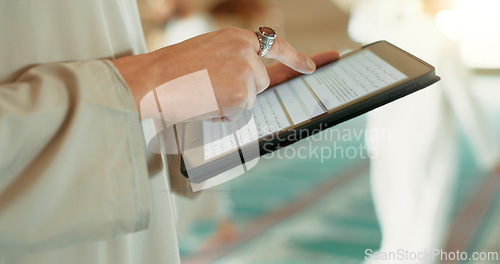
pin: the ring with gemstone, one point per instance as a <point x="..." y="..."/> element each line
<point x="266" y="36"/>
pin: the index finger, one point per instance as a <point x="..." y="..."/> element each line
<point x="288" y="55"/>
<point x="279" y="73"/>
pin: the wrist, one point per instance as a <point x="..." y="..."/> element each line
<point x="134" y="71"/>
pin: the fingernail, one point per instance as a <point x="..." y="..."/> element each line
<point x="310" y="64"/>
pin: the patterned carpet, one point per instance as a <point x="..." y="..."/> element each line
<point x="336" y="229"/>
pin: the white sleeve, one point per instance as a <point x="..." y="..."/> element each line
<point x="72" y="158"/>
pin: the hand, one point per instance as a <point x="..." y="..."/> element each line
<point x="279" y="73"/>
<point x="235" y="73"/>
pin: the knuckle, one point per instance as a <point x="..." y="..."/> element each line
<point x="232" y="31"/>
<point x="238" y="41"/>
<point x="238" y="32"/>
<point x="245" y="69"/>
<point x="227" y="32"/>
<point x="241" y="48"/>
<point x="238" y="96"/>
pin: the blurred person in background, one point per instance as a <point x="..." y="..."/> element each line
<point x="76" y="182"/>
<point x="414" y="171"/>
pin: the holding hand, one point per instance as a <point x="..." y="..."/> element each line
<point x="236" y="74"/>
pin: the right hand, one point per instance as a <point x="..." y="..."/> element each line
<point x="236" y="72"/>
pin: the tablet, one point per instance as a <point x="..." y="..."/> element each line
<point x="358" y="82"/>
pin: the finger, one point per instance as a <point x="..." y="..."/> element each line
<point x="234" y="112"/>
<point x="279" y="73"/>
<point x="288" y="55"/>
<point x="325" y="57"/>
<point x="260" y="71"/>
<point x="253" y="90"/>
<point x="283" y="52"/>
<point x="261" y="78"/>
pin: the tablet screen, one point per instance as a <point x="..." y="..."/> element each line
<point x="303" y="98"/>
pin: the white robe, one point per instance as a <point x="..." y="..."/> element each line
<point x="74" y="181"/>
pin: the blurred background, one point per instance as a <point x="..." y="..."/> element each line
<point x="422" y="173"/>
